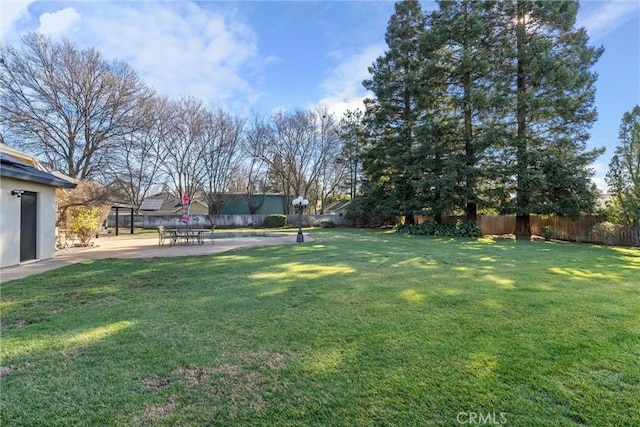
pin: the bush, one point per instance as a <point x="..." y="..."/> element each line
<point x="275" y="221"/>
<point x="463" y="228"/>
<point x="605" y="232"/>
<point x="327" y="223"/>
<point x="368" y="213"/>
<point x="84" y="222"/>
<point x="548" y="232"/>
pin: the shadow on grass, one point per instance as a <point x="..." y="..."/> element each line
<point x="375" y="328"/>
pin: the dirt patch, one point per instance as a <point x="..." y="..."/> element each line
<point x="157" y="412"/>
<point x="20" y="324"/>
<point x="501" y="236"/>
<point x="194" y="376"/>
<point x="156" y="383"/>
<point x="5" y="371"/>
<point x="240" y="379"/>
<point x="228" y="370"/>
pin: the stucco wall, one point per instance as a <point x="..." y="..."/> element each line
<point x="10" y="220"/>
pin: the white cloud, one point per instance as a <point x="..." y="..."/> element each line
<point x="600" y="171"/>
<point x="343" y="89"/>
<point x="607" y="17"/>
<point x="179" y="48"/>
<point x="58" y="23"/>
<point x="11" y="11"/>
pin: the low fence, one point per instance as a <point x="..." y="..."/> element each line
<point x="222" y="221"/>
<point x="579" y="230"/>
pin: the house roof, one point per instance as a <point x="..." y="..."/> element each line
<point x="25" y="158"/>
<point x="337" y="206"/>
<point x="17" y="169"/>
<point x="164" y="202"/>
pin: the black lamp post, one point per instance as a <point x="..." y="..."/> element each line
<point x="298" y="205"/>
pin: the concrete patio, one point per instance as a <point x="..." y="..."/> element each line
<point x="145" y="246"/>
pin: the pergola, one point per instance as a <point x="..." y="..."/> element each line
<point x="117" y="206"/>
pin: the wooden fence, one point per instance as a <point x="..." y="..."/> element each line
<point x="579" y="230"/>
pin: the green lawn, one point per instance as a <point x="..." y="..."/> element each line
<point x="358" y="328"/>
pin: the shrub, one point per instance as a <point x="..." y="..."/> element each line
<point x="605" y="232"/>
<point x="327" y="223"/>
<point x="275" y="221"/>
<point x="84" y="222"/>
<point x="463" y="228"/>
<point x="445" y="230"/>
<point x="548" y="232"/>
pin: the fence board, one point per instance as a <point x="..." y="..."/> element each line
<point x="578" y="230"/>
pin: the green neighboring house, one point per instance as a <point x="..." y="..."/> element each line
<point x="263" y="204"/>
<point x="163" y="204"/>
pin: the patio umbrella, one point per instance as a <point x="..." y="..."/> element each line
<point x="185" y="209"/>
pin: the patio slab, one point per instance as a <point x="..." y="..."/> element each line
<point x="145" y="246"/>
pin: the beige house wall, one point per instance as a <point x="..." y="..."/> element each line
<point x="10" y="220"/>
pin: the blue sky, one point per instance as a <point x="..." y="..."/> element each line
<point x="267" y="55"/>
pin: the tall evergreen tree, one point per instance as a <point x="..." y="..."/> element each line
<point x="623" y="177"/>
<point x="353" y="137"/>
<point x="458" y="75"/>
<point x="547" y="74"/>
<point x="393" y="115"/>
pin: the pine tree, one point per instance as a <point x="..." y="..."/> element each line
<point x="393" y="115"/>
<point x="623" y="177"/>
<point x="457" y="76"/>
<point x="547" y="67"/>
<point x="353" y="138"/>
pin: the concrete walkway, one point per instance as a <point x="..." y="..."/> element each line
<point x="146" y="246"/>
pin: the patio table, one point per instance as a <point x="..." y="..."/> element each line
<point x="196" y="235"/>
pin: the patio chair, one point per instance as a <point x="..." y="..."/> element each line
<point x="161" y="235"/>
<point x="61" y="241"/>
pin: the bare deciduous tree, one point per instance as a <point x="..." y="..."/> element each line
<point x="330" y="172"/>
<point x="256" y="167"/>
<point x="299" y="149"/>
<point x="132" y="170"/>
<point x="184" y="140"/>
<point x="223" y="137"/>
<point x="66" y="105"/>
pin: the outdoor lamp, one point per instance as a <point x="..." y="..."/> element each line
<point x="17" y="193"/>
<point x="299" y="204"/>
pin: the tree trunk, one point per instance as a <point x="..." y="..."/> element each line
<point x="409" y="219"/>
<point x="635" y="234"/>
<point x="472" y="212"/>
<point x="523" y="227"/>
<point x="471" y="208"/>
<point x="523" y="221"/>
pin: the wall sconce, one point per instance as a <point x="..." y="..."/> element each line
<point x="17" y="193"/>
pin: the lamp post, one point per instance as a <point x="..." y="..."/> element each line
<point x="298" y="205"/>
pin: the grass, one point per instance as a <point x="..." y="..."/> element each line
<point x="358" y="328"/>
